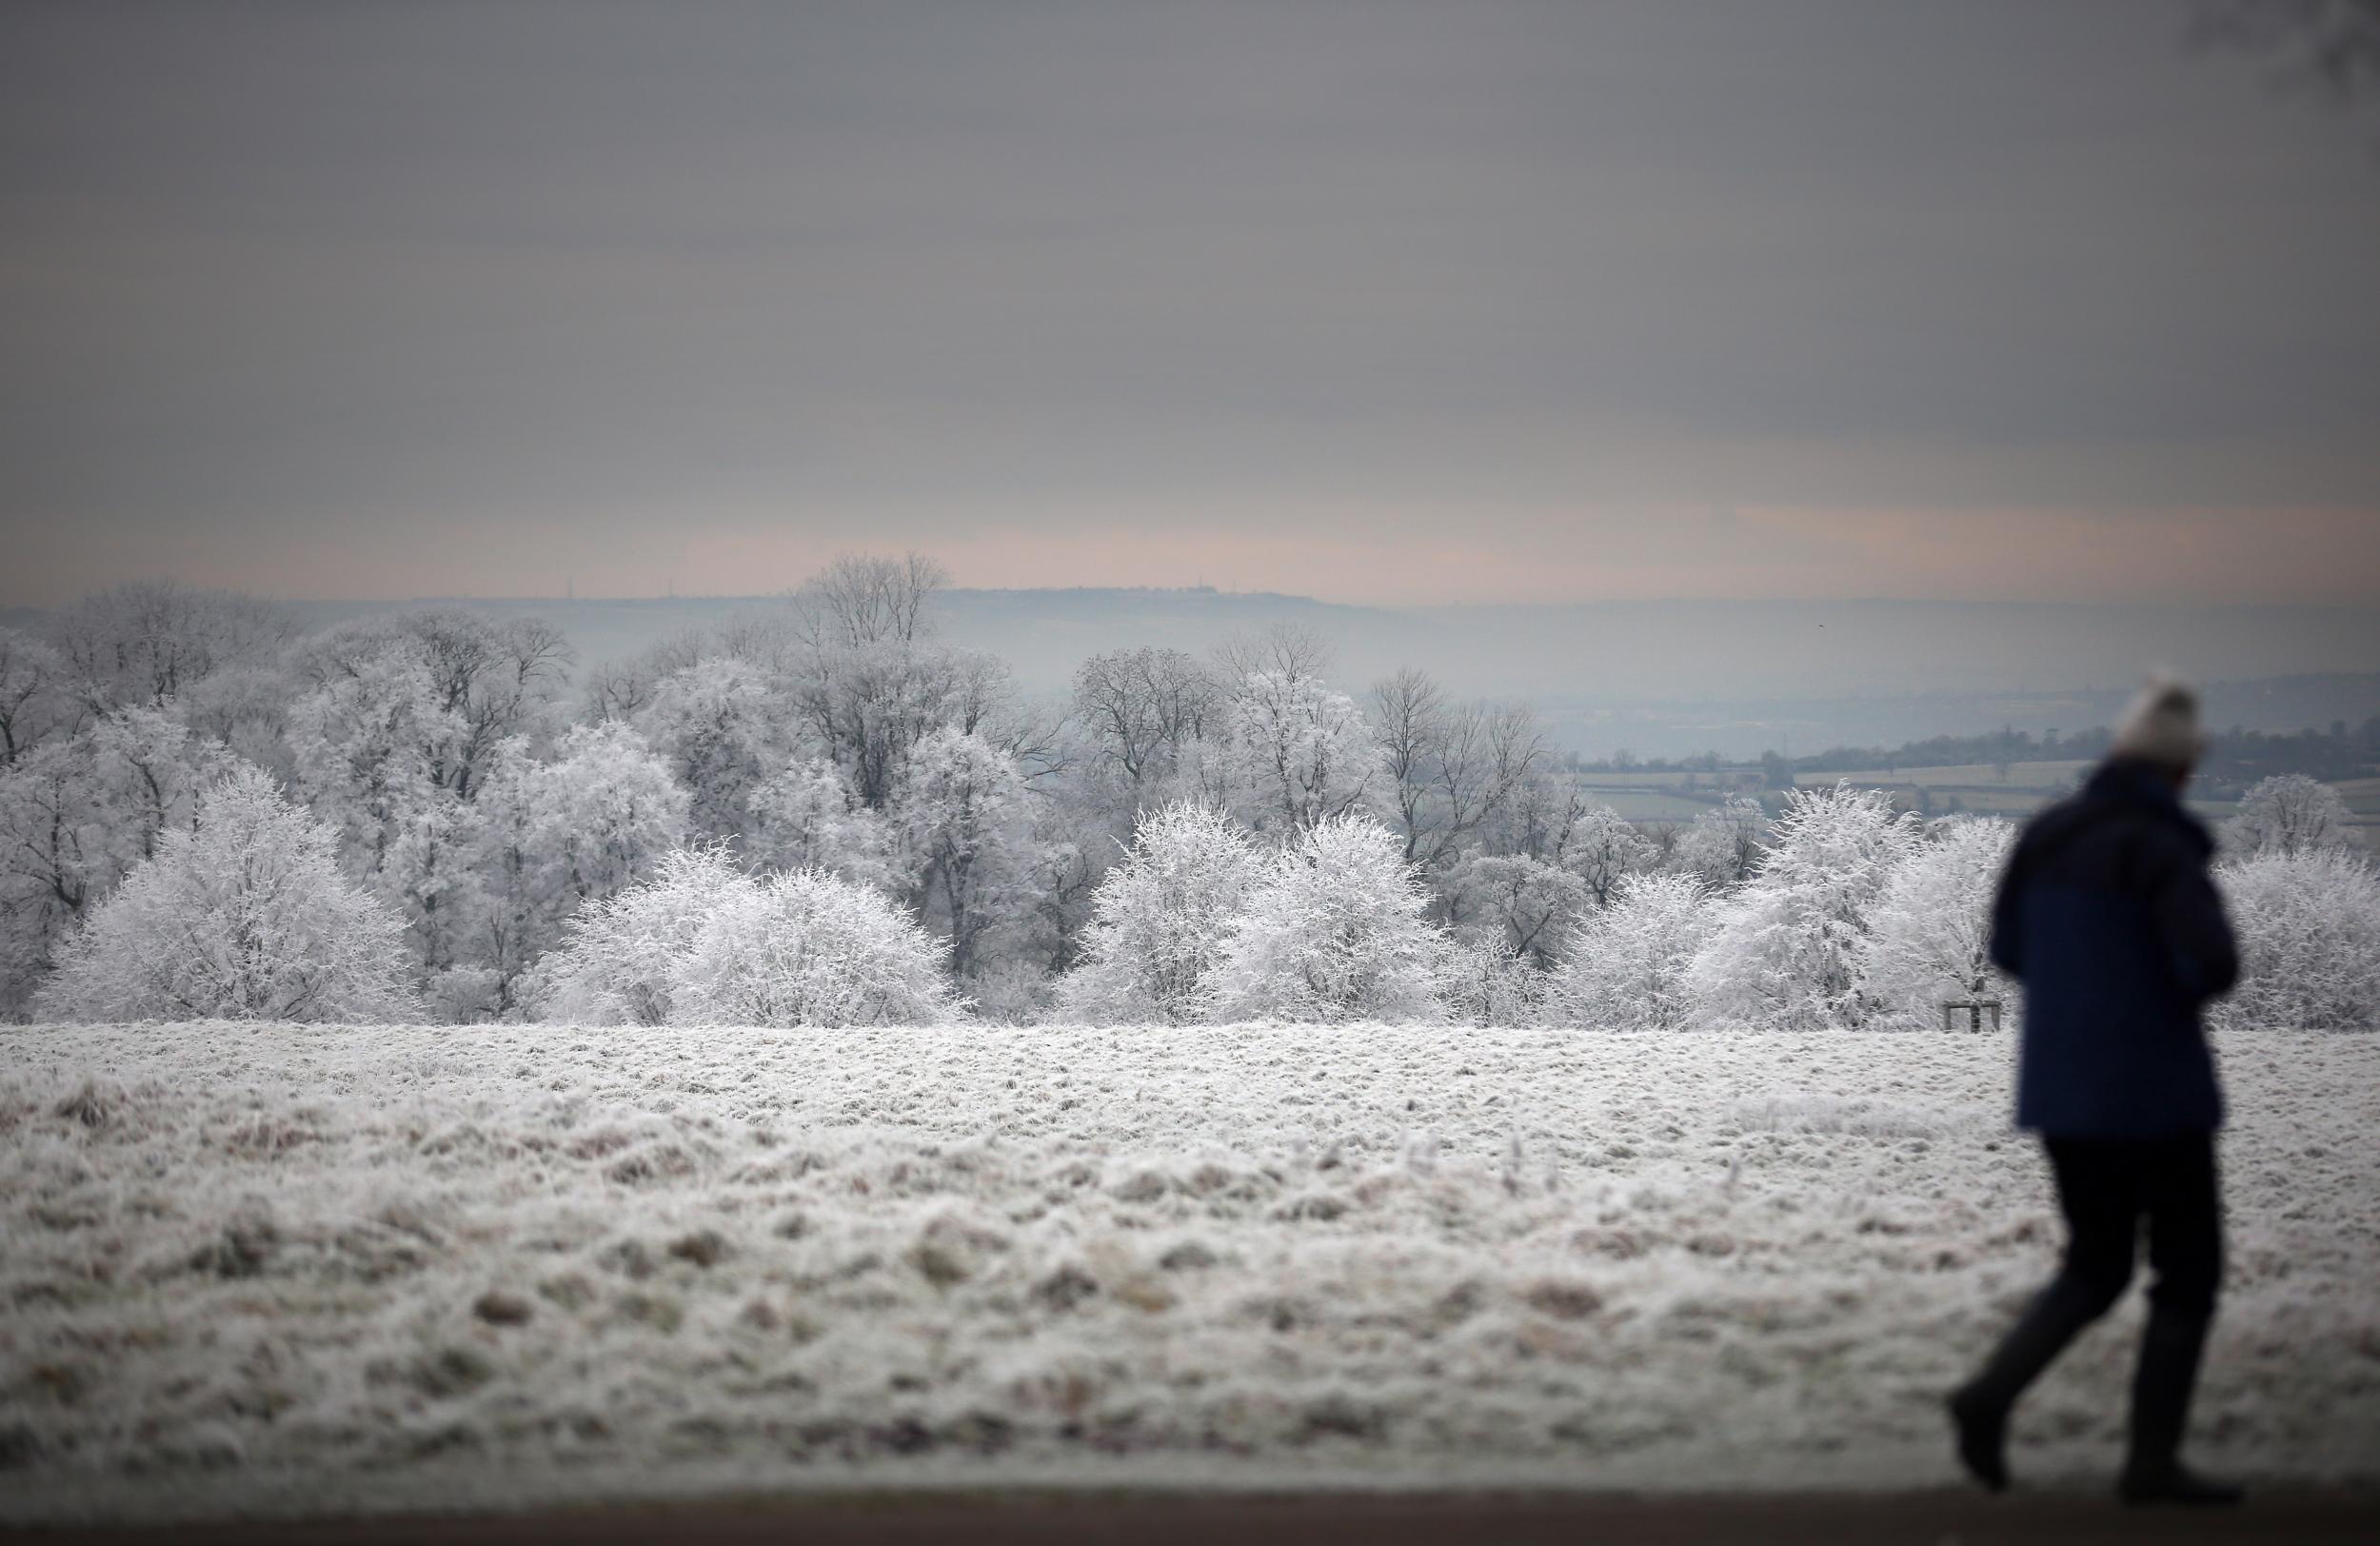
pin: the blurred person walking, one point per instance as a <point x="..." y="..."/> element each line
<point x="2108" y="916"/>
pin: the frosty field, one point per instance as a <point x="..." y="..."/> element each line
<point x="276" y="1268"/>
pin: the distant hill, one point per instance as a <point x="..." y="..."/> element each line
<point x="1661" y="679"/>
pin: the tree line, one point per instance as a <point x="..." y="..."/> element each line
<point x="826" y="813"/>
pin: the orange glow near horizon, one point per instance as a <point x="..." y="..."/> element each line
<point x="1341" y="554"/>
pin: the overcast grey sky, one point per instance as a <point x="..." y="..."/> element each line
<point x="1988" y="299"/>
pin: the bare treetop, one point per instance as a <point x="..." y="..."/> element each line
<point x="862" y="598"/>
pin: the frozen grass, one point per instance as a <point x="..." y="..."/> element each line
<point x="272" y="1268"/>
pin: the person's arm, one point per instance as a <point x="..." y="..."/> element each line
<point x="2191" y="923"/>
<point x="2007" y="915"/>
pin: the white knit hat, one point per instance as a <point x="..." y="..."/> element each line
<point x="2161" y="727"/>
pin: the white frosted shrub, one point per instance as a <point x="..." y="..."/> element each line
<point x="1930" y="931"/>
<point x="1484" y="982"/>
<point x="1522" y="905"/>
<point x="1333" y="931"/>
<point x="1627" y="966"/>
<point x="242" y="915"/>
<point x="2308" y="927"/>
<point x="809" y="948"/>
<point x="1159" y="922"/>
<point x="618" y="959"/>
<point x="1784" y="954"/>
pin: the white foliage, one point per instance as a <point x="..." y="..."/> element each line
<point x="604" y="809"/>
<point x="552" y="836"/>
<point x="245" y="916"/>
<point x="1160" y="921"/>
<point x="1601" y="848"/>
<point x="2308" y="928"/>
<point x="77" y="814"/>
<point x="34" y="696"/>
<point x="1333" y="931"/>
<point x="1930" y="931"/>
<point x="964" y="820"/>
<point x="809" y="948"/>
<point x="1627" y="964"/>
<point x="714" y="722"/>
<point x="2290" y="814"/>
<point x="703" y="942"/>
<point x="1516" y="903"/>
<point x="1294" y="753"/>
<point x="617" y="963"/>
<point x="1721" y="847"/>
<point x="1783" y="954"/>
<point x="808" y="816"/>
<point x="376" y="750"/>
<point x="1484" y="981"/>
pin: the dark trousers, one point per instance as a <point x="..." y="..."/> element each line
<point x="2108" y="1189"/>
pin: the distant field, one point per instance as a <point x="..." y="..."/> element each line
<point x="2363" y="797"/>
<point x="1979" y="789"/>
<point x="2023" y="776"/>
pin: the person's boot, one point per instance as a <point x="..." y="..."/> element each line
<point x="1981" y="1430"/>
<point x="2161" y="1387"/>
<point x="1979" y="1409"/>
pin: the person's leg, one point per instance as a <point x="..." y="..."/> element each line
<point x="2183" y="1201"/>
<point x="2094" y="1191"/>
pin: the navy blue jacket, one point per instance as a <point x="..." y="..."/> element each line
<point x="2108" y="916"/>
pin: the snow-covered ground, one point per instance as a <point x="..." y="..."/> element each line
<point x="275" y="1268"/>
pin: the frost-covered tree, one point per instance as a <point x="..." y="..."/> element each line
<point x="1627" y="966"/>
<point x="494" y="679"/>
<point x="77" y="814"/>
<point x="1601" y="848"/>
<point x="1449" y="768"/>
<point x="1524" y="906"/>
<point x="2290" y="814"/>
<point x="1481" y="981"/>
<point x="622" y="688"/>
<point x="376" y="747"/>
<point x="869" y="705"/>
<point x="618" y="961"/>
<point x="1294" y="753"/>
<point x="1721" y="846"/>
<point x="1159" y="922"/>
<point x="702" y="942"/>
<point x="243" y="916"/>
<point x="371" y="740"/>
<point x="148" y="769"/>
<point x="1142" y="709"/>
<point x="554" y="836"/>
<point x="34" y="700"/>
<point x="2308" y="927"/>
<point x="1333" y="931"/>
<point x="808" y="816"/>
<point x="868" y="680"/>
<point x="809" y="948"/>
<point x="1784" y="954"/>
<point x="716" y="724"/>
<point x="861" y="599"/>
<point x="607" y="809"/>
<point x="149" y="641"/>
<point x="56" y="857"/>
<point x="964" y="822"/>
<point x="1929" y="935"/>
